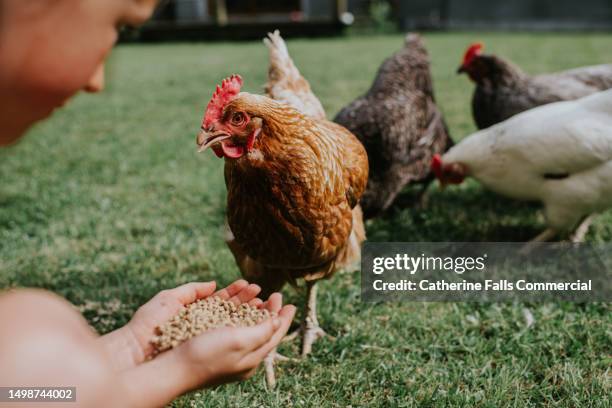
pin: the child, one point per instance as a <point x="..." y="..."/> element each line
<point x="51" y="49"/>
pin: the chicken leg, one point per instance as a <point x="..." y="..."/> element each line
<point x="582" y="229"/>
<point x="269" y="361"/>
<point x="548" y="234"/>
<point x="311" y="331"/>
<point x="545" y="236"/>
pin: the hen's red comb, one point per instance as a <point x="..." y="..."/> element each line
<point x="436" y="165"/>
<point x="230" y="87"/>
<point x="473" y="50"/>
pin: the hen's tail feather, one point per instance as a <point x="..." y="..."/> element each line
<point x="278" y="50"/>
<point x="281" y="63"/>
<point x="285" y="83"/>
<point x="351" y="255"/>
<point x="414" y="40"/>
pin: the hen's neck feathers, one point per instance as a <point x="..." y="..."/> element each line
<point x="281" y="122"/>
<point x="502" y="72"/>
<point x="470" y="149"/>
<point x="275" y="114"/>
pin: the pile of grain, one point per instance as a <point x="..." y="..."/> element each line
<point x="202" y="315"/>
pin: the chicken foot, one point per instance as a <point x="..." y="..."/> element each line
<point x="545" y="236"/>
<point x="311" y="331"/>
<point x="269" y="362"/>
<point x="548" y="234"/>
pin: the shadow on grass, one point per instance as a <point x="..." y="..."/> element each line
<point x="469" y="214"/>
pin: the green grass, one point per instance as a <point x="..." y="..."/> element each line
<point x="108" y="202"/>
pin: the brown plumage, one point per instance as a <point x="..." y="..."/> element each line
<point x="399" y="124"/>
<point x="290" y="199"/>
<point x="294" y="180"/>
<point x="503" y="89"/>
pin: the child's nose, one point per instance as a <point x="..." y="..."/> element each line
<point x="96" y="82"/>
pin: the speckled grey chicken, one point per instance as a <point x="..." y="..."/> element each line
<point x="399" y="124"/>
<point x="503" y="89"/>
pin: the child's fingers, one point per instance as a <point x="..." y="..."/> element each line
<point x="286" y="317"/>
<point x="232" y="289"/>
<point x="190" y="292"/>
<point x="274" y="302"/>
<point x="232" y="340"/>
<point x="245" y="294"/>
<point x="256" y="303"/>
<point x="252" y="338"/>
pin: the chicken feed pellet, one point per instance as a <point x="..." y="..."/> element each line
<point x="202" y="315"/>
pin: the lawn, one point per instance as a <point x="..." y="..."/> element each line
<point x="108" y="203"/>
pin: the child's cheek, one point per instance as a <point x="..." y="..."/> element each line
<point x="53" y="79"/>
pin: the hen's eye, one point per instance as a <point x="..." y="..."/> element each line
<point x="238" y="118"/>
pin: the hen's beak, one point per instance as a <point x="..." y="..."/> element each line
<point x="461" y="69"/>
<point x="206" y="139"/>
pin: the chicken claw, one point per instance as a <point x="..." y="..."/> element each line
<point x="269" y="361"/>
<point x="310" y="329"/>
<point x="310" y="335"/>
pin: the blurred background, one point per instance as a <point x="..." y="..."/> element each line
<point x="247" y="19"/>
<point x="107" y="202"/>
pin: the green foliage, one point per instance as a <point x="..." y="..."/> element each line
<point x="107" y="203"/>
<point x="380" y="14"/>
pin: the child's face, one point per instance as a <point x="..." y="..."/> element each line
<point x="51" y="49"/>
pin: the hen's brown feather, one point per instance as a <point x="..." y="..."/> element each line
<point x="291" y="199"/>
<point x="293" y="203"/>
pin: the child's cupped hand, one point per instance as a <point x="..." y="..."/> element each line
<point x="131" y="345"/>
<point x="214" y="357"/>
<point x="234" y="353"/>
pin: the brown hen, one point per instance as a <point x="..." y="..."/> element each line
<point x="294" y="180"/>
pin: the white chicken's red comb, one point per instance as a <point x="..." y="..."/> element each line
<point x="230" y="87"/>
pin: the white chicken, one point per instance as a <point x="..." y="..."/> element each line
<point x="559" y="154"/>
